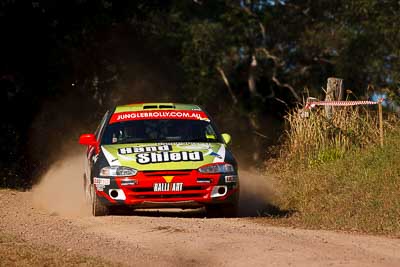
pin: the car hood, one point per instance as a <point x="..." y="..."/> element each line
<point x="165" y="156"/>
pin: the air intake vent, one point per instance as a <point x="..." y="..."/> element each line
<point x="166" y="106"/>
<point x="158" y="107"/>
<point x="150" y="107"/>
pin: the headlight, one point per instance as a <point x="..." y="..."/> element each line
<point x="117" y="171"/>
<point x="217" y="168"/>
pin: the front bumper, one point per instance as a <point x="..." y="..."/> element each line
<point x="168" y="189"/>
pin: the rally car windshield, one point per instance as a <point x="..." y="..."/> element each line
<point x="148" y="131"/>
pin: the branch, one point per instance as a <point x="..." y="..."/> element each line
<point x="262" y="28"/>
<point x="268" y="54"/>
<point x="277" y="82"/>
<point x="277" y="61"/>
<point x="251" y="82"/>
<point x="226" y="81"/>
<point x="280" y="100"/>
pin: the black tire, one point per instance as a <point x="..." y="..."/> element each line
<point x="98" y="208"/>
<point x="222" y="210"/>
<point x="230" y="211"/>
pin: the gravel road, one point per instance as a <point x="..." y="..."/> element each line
<point x="174" y="238"/>
<point x="53" y="215"/>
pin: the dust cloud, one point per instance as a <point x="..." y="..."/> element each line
<point x="60" y="190"/>
<point x="257" y="194"/>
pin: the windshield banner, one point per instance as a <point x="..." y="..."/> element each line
<point x="159" y="115"/>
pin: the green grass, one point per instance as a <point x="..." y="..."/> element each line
<point x="358" y="191"/>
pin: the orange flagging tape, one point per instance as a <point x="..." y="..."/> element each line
<point x="312" y="104"/>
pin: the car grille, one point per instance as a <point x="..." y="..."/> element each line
<point x="166" y="196"/>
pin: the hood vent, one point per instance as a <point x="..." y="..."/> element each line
<point x="166" y="106"/>
<point x="150" y="107"/>
<point x="159" y="107"/>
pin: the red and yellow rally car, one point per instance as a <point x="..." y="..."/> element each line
<point x="160" y="155"/>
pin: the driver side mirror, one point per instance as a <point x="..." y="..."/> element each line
<point x="88" y="140"/>
<point x="227" y="138"/>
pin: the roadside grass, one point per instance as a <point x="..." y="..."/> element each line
<point x="352" y="188"/>
<point x="357" y="192"/>
<point x="316" y="139"/>
<point x="17" y="252"/>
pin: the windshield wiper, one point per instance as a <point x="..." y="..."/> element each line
<point x="137" y="140"/>
<point x="157" y="140"/>
<point x="200" y="140"/>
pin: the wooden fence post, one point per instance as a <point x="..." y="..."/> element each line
<point x="334" y="91"/>
<point x="380" y="122"/>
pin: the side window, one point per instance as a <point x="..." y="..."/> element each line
<point x="101" y="126"/>
<point x="210" y="133"/>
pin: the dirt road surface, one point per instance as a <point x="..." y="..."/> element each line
<point x="186" y="239"/>
<point x="51" y="226"/>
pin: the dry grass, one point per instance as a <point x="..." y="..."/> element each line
<point x="317" y="139"/>
<point x="336" y="176"/>
<point x="357" y="192"/>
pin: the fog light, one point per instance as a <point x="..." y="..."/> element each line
<point x="117" y="194"/>
<point x="219" y="191"/>
<point x="114" y="193"/>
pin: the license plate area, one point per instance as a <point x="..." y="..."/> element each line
<point x="167" y="187"/>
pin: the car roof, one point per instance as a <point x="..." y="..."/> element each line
<point x="155" y="106"/>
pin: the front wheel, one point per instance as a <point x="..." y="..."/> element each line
<point x="98" y="208"/>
